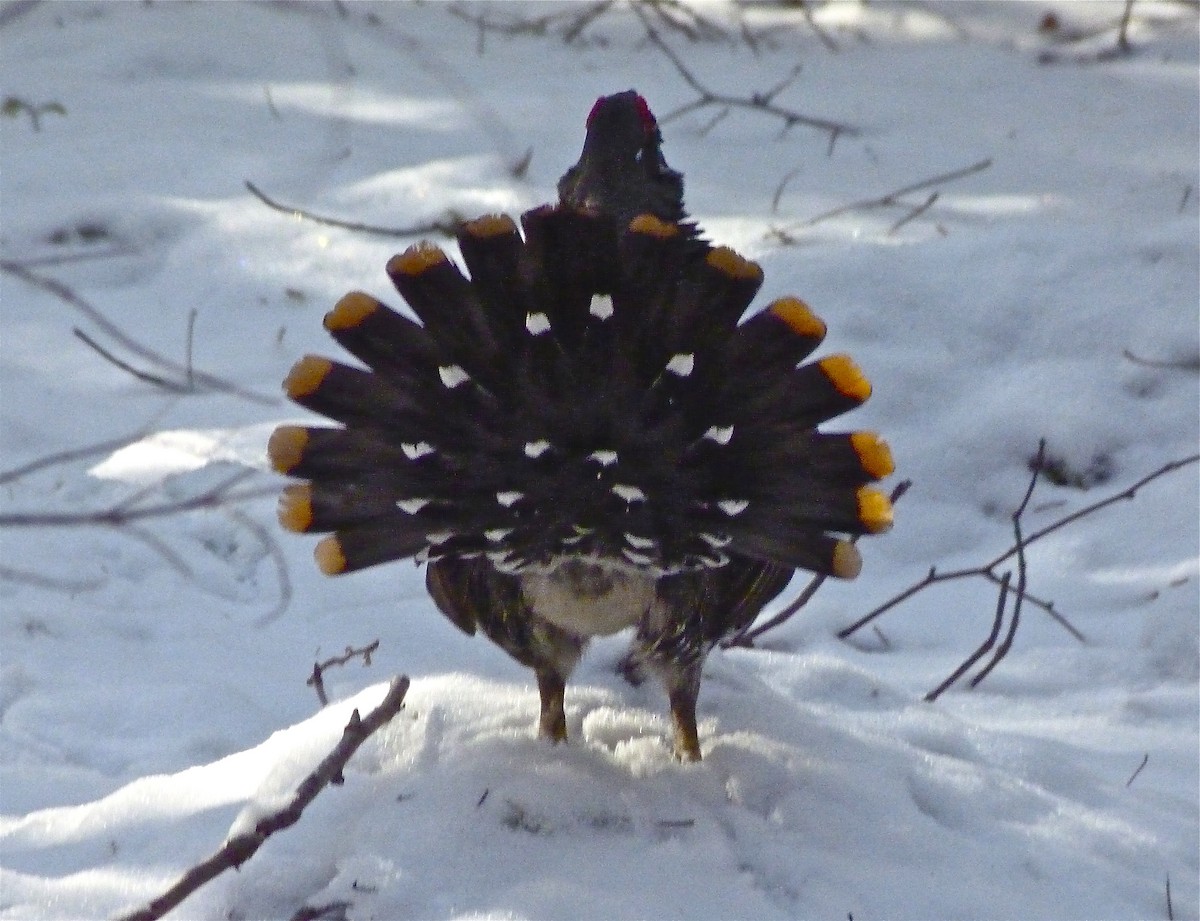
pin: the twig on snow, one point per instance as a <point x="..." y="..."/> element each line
<point x="1133" y="776"/>
<point x="758" y="102"/>
<point x="988" y="569"/>
<point x="447" y="226"/>
<point x="984" y="647"/>
<point x="892" y="199"/>
<point x="316" y="680"/>
<point x="241" y="847"/>
<point x="65" y="293"/>
<point x="24" y="577"/>
<point x="144" y="376"/>
<point x="275" y="552"/>
<point x="64" y="457"/>
<point x="121" y="514"/>
<point x="1183" y="364"/>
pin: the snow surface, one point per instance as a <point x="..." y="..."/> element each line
<point x="152" y="689"/>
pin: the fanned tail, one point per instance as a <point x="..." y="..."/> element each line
<point x="582" y="390"/>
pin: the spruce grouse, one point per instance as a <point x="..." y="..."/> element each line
<point x="582" y="433"/>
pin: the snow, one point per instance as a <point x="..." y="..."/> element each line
<point x="152" y="676"/>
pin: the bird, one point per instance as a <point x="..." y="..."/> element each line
<point x="584" y="430"/>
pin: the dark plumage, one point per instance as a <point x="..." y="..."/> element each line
<point x="584" y="435"/>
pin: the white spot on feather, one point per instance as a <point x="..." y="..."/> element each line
<point x="537" y="323"/>
<point x="639" y="559"/>
<point x="639" y="542"/>
<point x="629" y="493"/>
<point x="536" y="448"/>
<point x="509" y="497"/>
<point x="495" y="535"/>
<point x="682" y="364"/>
<point x="719" y="433"/>
<point x="603" y="458"/>
<point x="439" y="537"/>
<point x="418" y="450"/>
<point x="716" y="541"/>
<point x="602" y="306"/>
<point x="733" y="507"/>
<point x="453" y="376"/>
<point x="411" y="506"/>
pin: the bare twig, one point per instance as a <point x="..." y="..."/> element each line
<point x="1133" y="776"/>
<point x="892" y="199"/>
<point x="447" y="226"/>
<point x="1022" y="579"/>
<point x="55" y="583"/>
<point x="242" y="846"/>
<point x="984" y="647"/>
<point x="191" y="338"/>
<point x="145" y="376"/>
<point x="574" y="22"/>
<point x="987" y="570"/>
<point x="271" y="546"/>
<point x="64" y="457"/>
<point x="1183" y="364"/>
<point x="787" y="177"/>
<point x="316" y="680"/>
<point x="118" y="515"/>
<point x="759" y="102"/>
<point x="68" y="295"/>
<point x="914" y="213"/>
<point x="1170" y="907"/>
<point x="1123" y="28"/>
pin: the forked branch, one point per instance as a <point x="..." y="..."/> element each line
<point x="242" y="846"/>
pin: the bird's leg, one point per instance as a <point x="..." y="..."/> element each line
<point x="682" y="690"/>
<point x="552" y="724"/>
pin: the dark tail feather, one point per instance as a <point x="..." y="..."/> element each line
<point x="447" y="305"/>
<point x="570" y="256"/>
<point x="318" y="506"/>
<point x="800" y="548"/>
<point x="491" y="247"/>
<point x="357" y="548"/>
<point x="348" y="394"/>
<point x="783" y="334"/>
<point x="388" y="342"/>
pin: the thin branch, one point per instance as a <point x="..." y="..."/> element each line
<point x="24" y="577"/>
<point x="1039" y="461"/>
<point x="984" y="647"/>
<point x="759" y="102"/>
<point x="1123" y="28"/>
<point x="316" y="680"/>
<point x="447" y="226"/>
<point x="891" y="199"/>
<point x="1124" y="494"/>
<point x="787" y="177"/>
<point x="1183" y="364"/>
<point x="118" y="516"/>
<point x="275" y="552"/>
<point x="242" y="846"/>
<point x="68" y="295"/>
<point x="144" y="376"/>
<point x="64" y="457"/>
<point x="1133" y="776"/>
<point x="987" y="570"/>
<point x="914" y="213"/>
